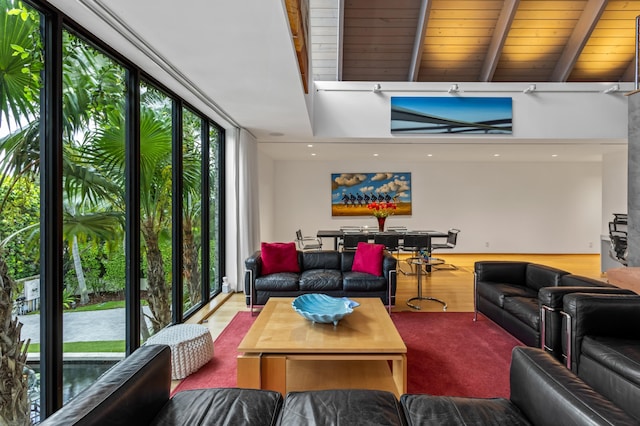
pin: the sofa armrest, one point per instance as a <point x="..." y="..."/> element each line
<point x="548" y="393"/>
<point x="512" y="272"/>
<point x="132" y="392"/>
<point x="552" y="297"/>
<point x="389" y="263"/>
<point x="588" y="314"/>
<point x="253" y="269"/>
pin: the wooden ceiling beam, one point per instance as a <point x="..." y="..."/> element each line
<point x="340" y="39"/>
<point x="497" y="41"/>
<point x="587" y="22"/>
<point x="421" y="30"/>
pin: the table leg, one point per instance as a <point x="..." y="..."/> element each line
<point x="274" y="373"/>
<point x="420" y="297"/>
<point x="248" y="371"/>
<point x="399" y="371"/>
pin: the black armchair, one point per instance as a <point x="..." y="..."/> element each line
<point x="603" y="345"/>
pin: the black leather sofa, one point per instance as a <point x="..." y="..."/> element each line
<point x="136" y="392"/>
<point x="327" y="272"/>
<point x="603" y="345"/>
<point x="543" y="392"/>
<point x="526" y="299"/>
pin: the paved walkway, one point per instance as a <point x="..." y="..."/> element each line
<point x="107" y="324"/>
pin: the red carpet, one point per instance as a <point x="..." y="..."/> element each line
<point x="448" y="354"/>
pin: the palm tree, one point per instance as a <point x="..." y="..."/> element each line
<point x="108" y="153"/>
<point x="19" y="86"/>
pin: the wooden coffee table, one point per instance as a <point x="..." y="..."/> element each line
<point x="285" y="352"/>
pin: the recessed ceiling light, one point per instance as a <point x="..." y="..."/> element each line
<point x="429" y="155"/>
<point x="313" y="154"/>
<point x="375" y="155"/>
<point x="310" y="146"/>
<point x="554" y="155"/>
<point x="496" y="155"/>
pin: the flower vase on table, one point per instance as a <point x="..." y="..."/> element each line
<point x="381" y="210"/>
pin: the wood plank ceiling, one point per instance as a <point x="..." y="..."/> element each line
<point x="489" y="40"/>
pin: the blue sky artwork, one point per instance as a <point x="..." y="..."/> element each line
<point x="362" y="188"/>
<point x="452" y="114"/>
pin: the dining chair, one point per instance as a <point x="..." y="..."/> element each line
<point x="350" y="241"/>
<point x="308" y="243"/>
<point x="413" y="243"/>
<point x="390" y="240"/>
<point x="440" y="264"/>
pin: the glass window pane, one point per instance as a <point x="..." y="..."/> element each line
<point x="21" y="61"/>
<point x="93" y="212"/>
<point x="155" y="208"/>
<point x="214" y="208"/>
<point x="192" y="209"/>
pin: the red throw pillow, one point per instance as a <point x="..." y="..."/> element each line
<point x="279" y="257"/>
<point x="368" y="258"/>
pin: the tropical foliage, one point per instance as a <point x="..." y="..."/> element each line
<point x="93" y="186"/>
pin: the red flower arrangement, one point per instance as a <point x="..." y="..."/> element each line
<point x="382" y="208"/>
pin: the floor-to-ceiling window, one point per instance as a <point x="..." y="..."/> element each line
<point x="91" y="153"/>
<point x="215" y="212"/>
<point x="156" y="201"/>
<point x="192" y="196"/>
<point x="94" y="208"/>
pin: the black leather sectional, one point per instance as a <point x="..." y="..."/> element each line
<point x="327" y="272"/>
<point x="526" y="299"/>
<point x="136" y="392"/>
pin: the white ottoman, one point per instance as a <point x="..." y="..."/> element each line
<point x="191" y="347"/>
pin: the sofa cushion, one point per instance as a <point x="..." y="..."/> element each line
<point x="360" y="281"/>
<point x="368" y="259"/>
<point x="320" y="260"/>
<point x="450" y="410"/>
<point x="341" y="407"/>
<point x="539" y="276"/>
<point x="319" y="280"/>
<point x="282" y="281"/>
<point x="496" y="292"/>
<point x="526" y="309"/>
<point x="279" y="257"/>
<point x="221" y="406"/>
<point x="619" y="355"/>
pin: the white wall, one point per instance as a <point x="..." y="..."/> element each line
<point x="266" y="198"/>
<point x="352" y="110"/>
<point x="515" y="207"/>
<point x="614" y="187"/>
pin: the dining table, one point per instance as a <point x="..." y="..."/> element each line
<point x="338" y="234"/>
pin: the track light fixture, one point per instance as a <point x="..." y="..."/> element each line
<point x="454" y="88"/>
<point x="531" y="88"/>
<point x="614" y="88"/>
<point x="377" y="88"/>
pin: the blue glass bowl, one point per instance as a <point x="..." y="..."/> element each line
<point x="322" y="308"/>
